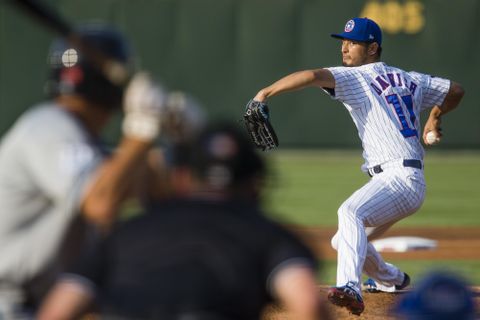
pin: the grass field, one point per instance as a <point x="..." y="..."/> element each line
<point x="309" y="186"/>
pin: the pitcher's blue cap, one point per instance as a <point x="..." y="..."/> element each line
<point x="361" y="29"/>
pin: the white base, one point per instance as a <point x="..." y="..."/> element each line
<point x="403" y="244"/>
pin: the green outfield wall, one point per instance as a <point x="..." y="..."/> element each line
<point x="224" y="51"/>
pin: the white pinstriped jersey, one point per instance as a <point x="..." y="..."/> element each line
<point x="385" y="104"/>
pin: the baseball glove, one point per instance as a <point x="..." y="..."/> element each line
<point x="257" y="122"/>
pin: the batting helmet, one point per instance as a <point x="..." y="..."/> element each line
<point x="72" y="73"/>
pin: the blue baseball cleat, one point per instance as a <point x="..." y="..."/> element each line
<point x="372" y="286"/>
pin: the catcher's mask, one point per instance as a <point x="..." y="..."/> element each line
<point x="222" y="157"/>
<point x="72" y="73"/>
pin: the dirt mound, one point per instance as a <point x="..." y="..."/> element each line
<point x="453" y="243"/>
<point x="377" y="307"/>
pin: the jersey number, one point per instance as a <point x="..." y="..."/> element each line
<point x="406" y="130"/>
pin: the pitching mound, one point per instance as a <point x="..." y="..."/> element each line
<point x="377" y="307"/>
<point x="453" y="243"/>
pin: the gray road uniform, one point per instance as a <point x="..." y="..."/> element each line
<point x="46" y="161"/>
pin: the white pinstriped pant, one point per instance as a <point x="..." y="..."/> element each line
<point x="389" y="196"/>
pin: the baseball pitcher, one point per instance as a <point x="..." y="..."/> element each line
<point x="385" y="104"/>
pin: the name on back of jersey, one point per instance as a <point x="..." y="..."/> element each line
<point x="385" y="81"/>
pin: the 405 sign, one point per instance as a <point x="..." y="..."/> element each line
<point x="395" y="16"/>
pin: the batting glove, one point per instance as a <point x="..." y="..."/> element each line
<point x="144" y="102"/>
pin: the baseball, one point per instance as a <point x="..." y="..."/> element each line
<point x="432" y="138"/>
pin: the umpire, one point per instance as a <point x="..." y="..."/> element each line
<point x="56" y="178"/>
<point x="208" y="254"/>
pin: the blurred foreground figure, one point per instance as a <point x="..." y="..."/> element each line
<point x="439" y="296"/>
<point x="208" y="254"/>
<point x="57" y="180"/>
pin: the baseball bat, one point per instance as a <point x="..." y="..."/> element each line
<point x="115" y="71"/>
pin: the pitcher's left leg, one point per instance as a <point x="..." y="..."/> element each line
<point x="351" y="236"/>
<point x="351" y="240"/>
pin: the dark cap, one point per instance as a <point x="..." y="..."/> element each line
<point x="362" y="30"/>
<point x="440" y="295"/>
<point x="222" y="156"/>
